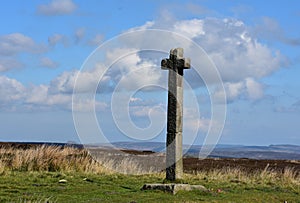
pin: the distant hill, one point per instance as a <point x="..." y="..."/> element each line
<point x="275" y="152"/>
<point x="285" y="152"/>
<point x="26" y="145"/>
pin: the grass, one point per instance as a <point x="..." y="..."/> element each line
<point x="33" y="175"/>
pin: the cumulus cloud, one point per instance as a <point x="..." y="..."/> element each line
<point x="40" y="97"/>
<point x="11" y="90"/>
<point x="132" y="71"/>
<point x="48" y="63"/>
<point x="7" y="64"/>
<point x="254" y="89"/>
<point x="15" y="43"/>
<point x="14" y="96"/>
<point x="190" y="28"/>
<point x="235" y="51"/>
<point x="247" y="89"/>
<point x="37" y="95"/>
<point x="57" y="7"/>
<point x="64" y="83"/>
<point x="12" y="46"/>
<point x="128" y="72"/>
<point x="240" y="58"/>
<point x="233" y="46"/>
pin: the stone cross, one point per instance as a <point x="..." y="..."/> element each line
<point x="175" y="64"/>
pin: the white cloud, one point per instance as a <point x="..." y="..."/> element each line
<point x="48" y="63"/>
<point x="139" y="107"/>
<point x="234" y="90"/>
<point x="79" y="34"/>
<point x="15" y="43"/>
<point x="64" y="83"/>
<point x="240" y="59"/>
<point x="11" y="90"/>
<point x="231" y="45"/>
<point x="87" y="82"/>
<point x="57" y="38"/>
<point x="247" y="89"/>
<point x="254" y="89"/>
<point x="12" y="46"/>
<point x="235" y="51"/>
<point x="57" y="7"/>
<point x="131" y="71"/>
<point x="147" y="25"/>
<point x="59" y="99"/>
<point x="14" y="96"/>
<point x="96" y="41"/>
<point x="135" y="99"/>
<point x="40" y="97"/>
<point x="7" y="64"/>
<point x="128" y="72"/>
<point x="37" y="95"/>
<point x="190" y="28"/>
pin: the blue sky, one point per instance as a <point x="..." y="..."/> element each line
<point x="255" y="46"/>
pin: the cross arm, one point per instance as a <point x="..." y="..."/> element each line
<point x="184" y="63"/>
<point x="176" y="60"/>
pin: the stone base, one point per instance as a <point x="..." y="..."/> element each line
<point x="173" y="187"/>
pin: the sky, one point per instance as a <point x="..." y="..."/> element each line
<point x="254" y="47"/>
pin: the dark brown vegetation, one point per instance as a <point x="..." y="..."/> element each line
<point x="33" y="172"/>
<point x="67" y="153"/>
<point x="246" y="165"/>
<point x="192" y="165"/>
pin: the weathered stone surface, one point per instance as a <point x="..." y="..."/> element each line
<point x="175" y="64"/>
<point x="174" y="188"/>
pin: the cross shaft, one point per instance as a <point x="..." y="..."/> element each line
<point x="175" y="64"/>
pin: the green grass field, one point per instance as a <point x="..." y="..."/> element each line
<point x="84" y="187"/>
<point x="26" y="176"/>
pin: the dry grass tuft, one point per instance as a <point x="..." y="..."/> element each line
<point x="288" y="178"/>
<point x="68" y="159"/>
<point x="48" y="158"/>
